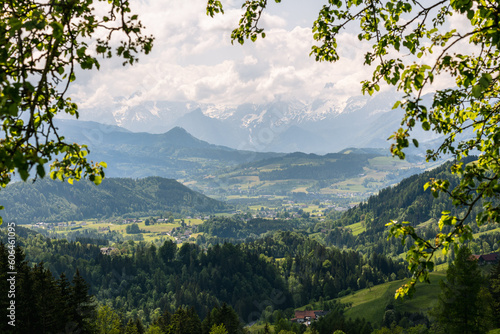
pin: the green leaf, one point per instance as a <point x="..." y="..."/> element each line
<point x="23" y="172"/>
<point x="40" y="170"/>
<point x="476" y="91"/>
<point x="419" y="80"/>
<point x="430" y="266"/>
<point x="97" y="180"/>
<point x="485" y="80"/>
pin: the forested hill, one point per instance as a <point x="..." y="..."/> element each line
<point x="51" y="201"/>
<point x="311" y="166"/>
<point x="282" y="271"/>
<point x="407" y="201"/>
<point x="174" y="154"/>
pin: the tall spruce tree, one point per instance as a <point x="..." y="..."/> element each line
<point x="224" y="315"/>
<point x="46" y="297"/>
<point x="463" y="303"/>
<point x="62" y="301"/>
<point x="26" y="310"/>
<point x="163" y="322"/>
<point x="42" y="303"/>
<point x="108" y="321"/>
<point x="84" y="309"/>
<point x="131" y="327"/>
<point x="494" y="285"/>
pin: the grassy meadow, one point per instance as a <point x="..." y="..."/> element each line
<point x="371" y="303"/>
<point x="153" y="233"/>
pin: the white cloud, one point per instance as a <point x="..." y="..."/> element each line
<point x="193" y="59"/>
<point x="250" y="60"/>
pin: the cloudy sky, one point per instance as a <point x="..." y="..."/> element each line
<point x="193" y="59"/>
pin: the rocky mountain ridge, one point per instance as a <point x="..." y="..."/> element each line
<point x="321" y="126"/>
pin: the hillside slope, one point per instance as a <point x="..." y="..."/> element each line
<point x="353" y="173"/>
<point x="174" y="154"/>
<point x="47" y="200"/>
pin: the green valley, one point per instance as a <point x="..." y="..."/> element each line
<point x="346" y="177"/>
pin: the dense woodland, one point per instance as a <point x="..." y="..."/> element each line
<point x="269" y="268"/>
<point x="149" y="280"/>
<point x="191" y="290"/>
<point x="407" y="201"/>
<point x="237" y="229"/>
<point x="52" y="201"/>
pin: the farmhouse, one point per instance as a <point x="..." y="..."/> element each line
<point x="305" y="317"/>
<point x="491" y="258"/>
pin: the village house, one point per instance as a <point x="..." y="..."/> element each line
<point x="107" y="250"/>
<point x="305" y="317"/>
<point x="491" y="258"/>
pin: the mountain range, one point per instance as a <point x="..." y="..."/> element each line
<point x="173" y="154"/>
<point x="320" y="126"/>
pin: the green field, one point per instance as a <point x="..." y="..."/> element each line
<point x="153" y="232"/>
<point x="371" y="303"/>
<point x="258" y="328"/>
<point x="357" y="228"/>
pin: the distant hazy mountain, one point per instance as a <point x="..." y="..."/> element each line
<point x="48" y="200"/>
<point x="174" y="154"/>
<point x="321" y="126"/>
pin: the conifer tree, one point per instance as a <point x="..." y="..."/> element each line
<point x="108" y="321"/>
<point x="131" y="328"/>
<point x="194" y="322"/>
<point x="163" y="322"/>
<point x="267" y="330"/>
<point x="463" y="303"/>
<point x="83" y="304"/>
<point x="222" y="315"/>
<point x="62" y="302"/>
<point x="218" y="329"/>
<point x="179" y="322"/>
<point x="46" y="291"/>
<point x="4" y="288"/>
<point x="26" y="311"/>
<point x="139" y="326"/>
<point x="44" y="304"/>
<point x="494" y="286"/>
